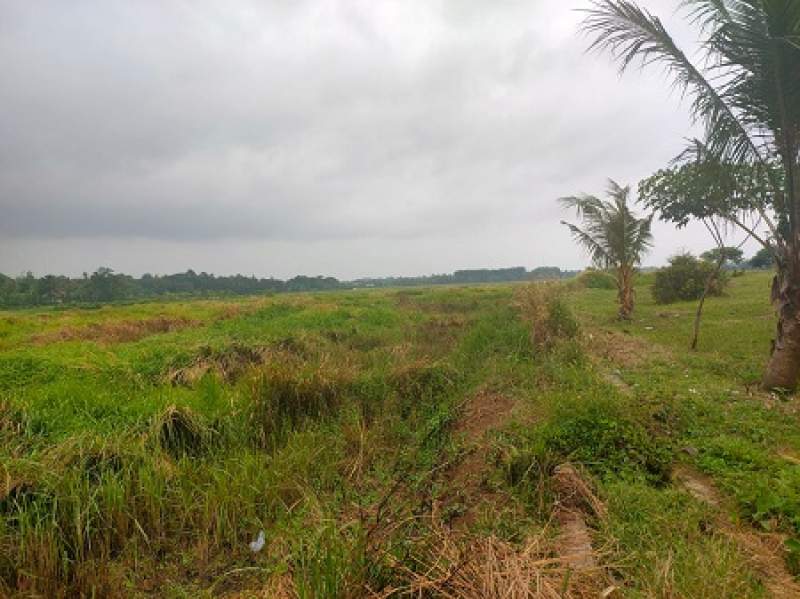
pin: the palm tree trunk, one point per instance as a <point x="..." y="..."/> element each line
<point x="783" y="368"/>
<point x="625" y="292"/>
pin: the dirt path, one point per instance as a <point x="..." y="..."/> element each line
<point x="485" y="412"/>
<point x="763" y="550"/>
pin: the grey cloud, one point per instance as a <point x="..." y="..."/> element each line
<point x="292" y="122"/>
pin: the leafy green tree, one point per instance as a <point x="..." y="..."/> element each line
<point x="104" y="285"/>
<point x="614" y="237"/>
<point x="763" y="258"/>
<point x="724" y="255"/>
<point x="747" y="96"/>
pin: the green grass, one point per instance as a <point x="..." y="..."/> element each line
<point x="143" y="460"/>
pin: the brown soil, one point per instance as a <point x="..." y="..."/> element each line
<point x="623" y="349"/>
<point x="486" y="411"/>
<point x="763" y="550"/>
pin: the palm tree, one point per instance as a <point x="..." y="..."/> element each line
<point x="747" y="96"/>
<point x="613" y="236"/>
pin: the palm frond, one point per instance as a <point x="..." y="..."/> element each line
<point x="610" y="232"/>
<point x="633" y="34"/>
<point x="593" y="247"/>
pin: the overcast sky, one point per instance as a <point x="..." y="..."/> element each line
<point x="346" y="138"/>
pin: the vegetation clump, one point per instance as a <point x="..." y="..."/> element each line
<point x="181" y="432"/>
<point x="685" y="279"/>
<point x="592" y="278"/>
<point x="544" y="308"/>
<point x="283" y="398"/>
<point x="599" y="434"/>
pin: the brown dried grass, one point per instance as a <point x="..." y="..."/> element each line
<point x="491" y="568"/>
<point x="122" y="331"/>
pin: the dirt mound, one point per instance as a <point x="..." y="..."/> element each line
<point x="484" y="412"/>
<point x="120" y="331"/>
<point x="624" y="350"/>
<point x="575" y="501"/>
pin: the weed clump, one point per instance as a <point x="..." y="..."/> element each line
<point x="181" y="432"/>
<point x="600" y="435"/>
<point x="542" y="305"/>
<point x="609" y="442"/>
<point x="423" y="380"/>
<point x="284" y="398"/>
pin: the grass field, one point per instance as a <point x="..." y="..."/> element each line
<point x="480" y="441"/>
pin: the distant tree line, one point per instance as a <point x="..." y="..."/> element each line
<point x="105" y="285"/>
<point x="482" y="275"/>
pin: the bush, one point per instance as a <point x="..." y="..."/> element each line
<point x="544" y="308"/>
<point x="600" y="434"/>
<point x="684" y="280"/>
<point x="595" y="279"/>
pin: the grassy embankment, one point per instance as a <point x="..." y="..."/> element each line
<point x="378" y="436"/>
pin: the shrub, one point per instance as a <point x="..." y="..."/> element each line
<point x="544" y="308"/>
<point x="595" y="279"/>
<point x="684" y="280"/>
<point x="603" y="436"/>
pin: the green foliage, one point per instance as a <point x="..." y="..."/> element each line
<point x="594" y="279"/>
<point x="762" y="259"/>
<point x="728" y="255"/>
<point x="601" y="433"/>
<point x="685" y="279"/>
<point x="347" y="422"/>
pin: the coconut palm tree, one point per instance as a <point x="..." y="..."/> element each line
<point x="613" y="236"/>
<point x="747" y="96"/>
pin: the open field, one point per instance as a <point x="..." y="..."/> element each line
<point x="429" y="442"/>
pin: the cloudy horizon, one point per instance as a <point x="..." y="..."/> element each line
<point x="343" y="138"/>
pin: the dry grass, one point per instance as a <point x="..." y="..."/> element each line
<point x="623" y="350"/>
<point x="124" y="331"/>
<point x="542" y="306"/>
<point x="228" y="364"/>
<point x="491" y="568"/>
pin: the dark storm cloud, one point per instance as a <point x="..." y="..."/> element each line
<point x="299" y="121"/>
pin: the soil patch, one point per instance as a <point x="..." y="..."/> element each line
<point x="485" y="411"/>
<point x="624" y="350"/>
